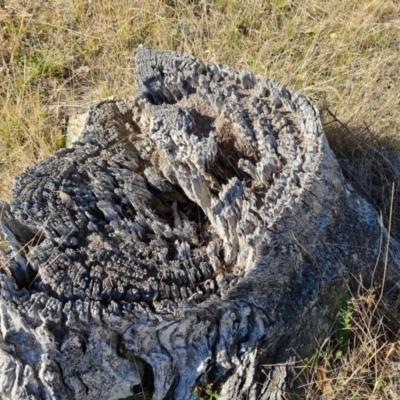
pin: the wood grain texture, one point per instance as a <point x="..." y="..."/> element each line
<point x="200" y="231"/>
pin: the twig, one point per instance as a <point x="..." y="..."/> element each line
<point x="387" y="248"/>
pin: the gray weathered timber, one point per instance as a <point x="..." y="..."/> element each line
<point x="192" y="235"/>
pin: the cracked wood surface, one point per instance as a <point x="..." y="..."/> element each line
<point x="191" y="235"/>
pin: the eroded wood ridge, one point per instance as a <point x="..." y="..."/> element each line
<point x="197" y="232"/>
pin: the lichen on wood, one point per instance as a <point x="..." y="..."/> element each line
<point x="191" y="235"/>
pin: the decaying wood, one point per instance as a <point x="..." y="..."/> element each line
<point x="192" y="235"/>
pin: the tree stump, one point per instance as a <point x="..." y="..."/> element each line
<point x="202" y="232"/>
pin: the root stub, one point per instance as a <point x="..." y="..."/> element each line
<point x="189" y="237"/>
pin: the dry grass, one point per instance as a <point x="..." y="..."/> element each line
<point x="361" y="360"/>
<point x="56" y="57"/>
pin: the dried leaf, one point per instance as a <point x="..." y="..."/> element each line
<point x="322" y="382"/>
<point x="390" y="350"/>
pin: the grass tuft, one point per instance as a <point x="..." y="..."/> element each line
<point x="361" y="359"/>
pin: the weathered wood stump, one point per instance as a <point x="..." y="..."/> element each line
<point x="192" y="235"/>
